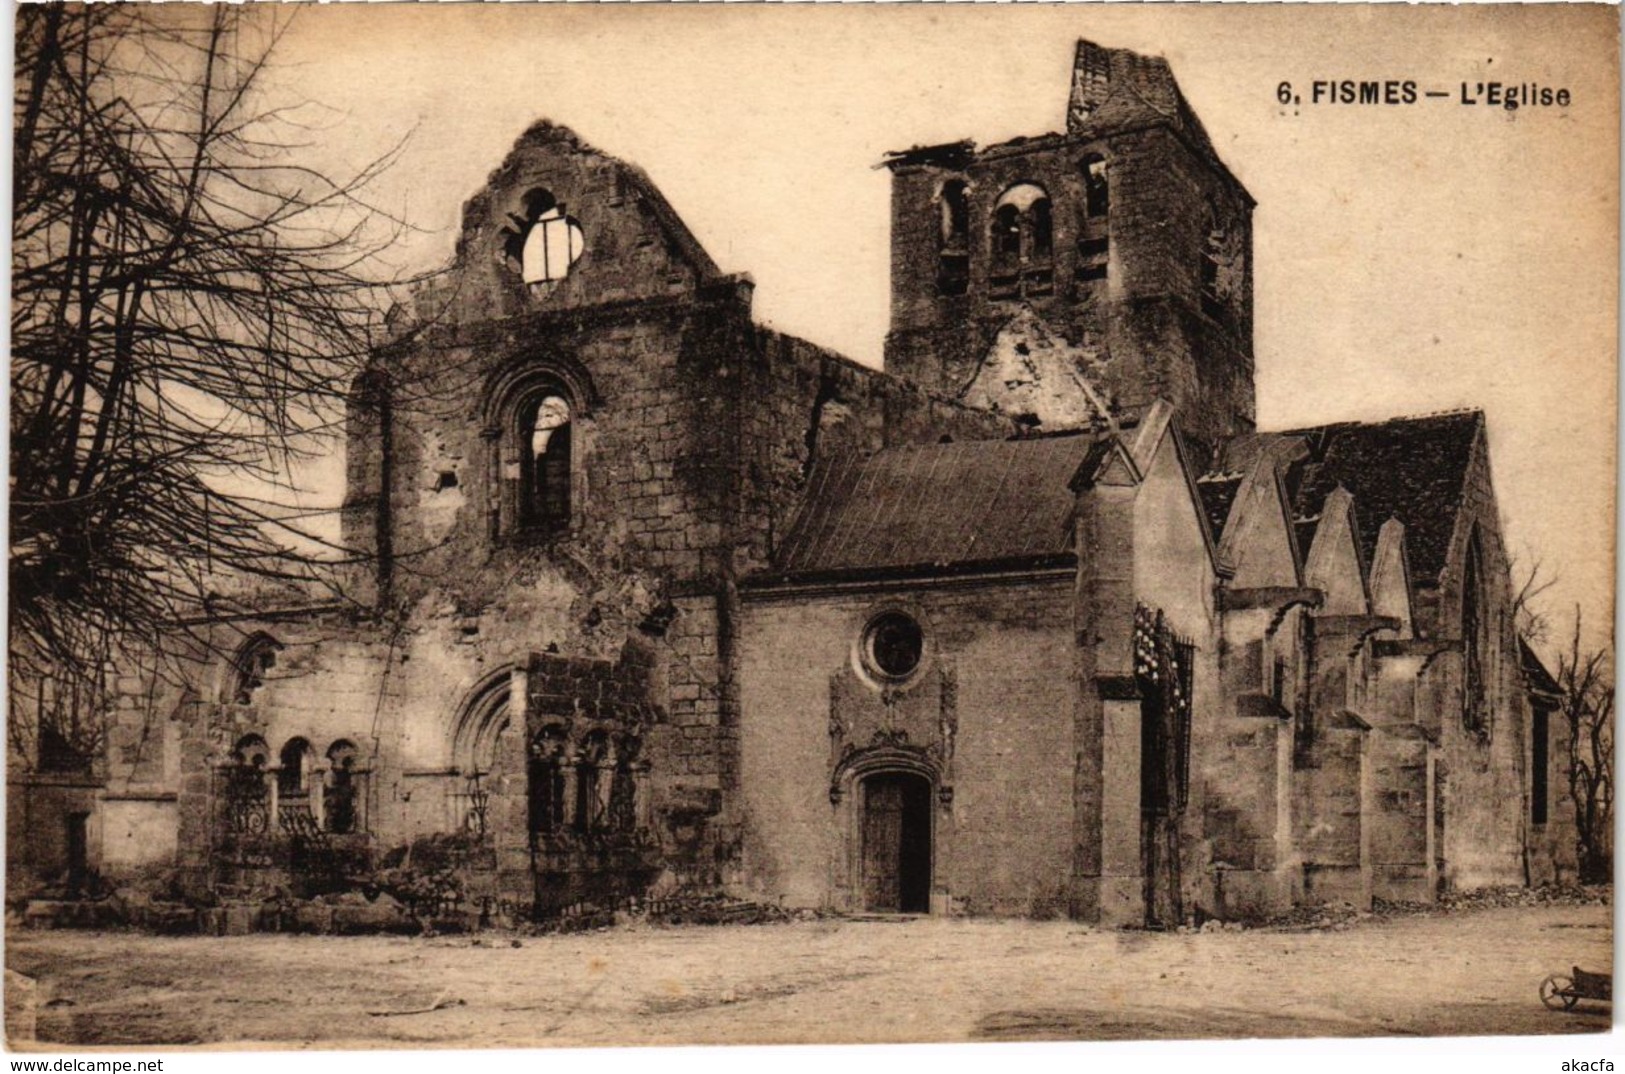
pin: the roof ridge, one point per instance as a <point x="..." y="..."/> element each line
<point x="1355" y="423"/>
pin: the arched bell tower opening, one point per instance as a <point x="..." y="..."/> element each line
<point x="1126" y="236"/>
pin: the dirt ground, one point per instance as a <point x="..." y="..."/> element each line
<point x="826" y="981"/>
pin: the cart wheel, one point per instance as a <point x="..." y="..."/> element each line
<point x="1557" y="993"/>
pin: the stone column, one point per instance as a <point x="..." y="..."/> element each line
<point x="640" y="793"/>
<point x="606" y="784"/>
<point x="318" y="796"/>
<point x="1122" y="885"/>
<point x="569" y="760"/>
<point x="1107" y="885"/>
<point x="272" y="799"/>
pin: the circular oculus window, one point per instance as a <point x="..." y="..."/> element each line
<point x="892" y="645"/>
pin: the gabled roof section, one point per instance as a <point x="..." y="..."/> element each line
<point x="1535" y="676"/>
<point x="1334" y="563"/>
<point x="935" y="506"/>
<point x="1412" y="469"/>
<point x="1248" y="511"/>
<point x="1391" y="576"/>
<point x="1155" y="427"/>
<point x="586" y="180"/>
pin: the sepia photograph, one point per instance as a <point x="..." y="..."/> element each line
<point x="575" y="526"/>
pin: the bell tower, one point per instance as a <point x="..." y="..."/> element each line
<point x="1072" y="278"/>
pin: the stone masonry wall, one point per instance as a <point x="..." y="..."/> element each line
<point x="1483" y="778"/>
<point x="991" y="704"/>
<point x="1146" y="322"/>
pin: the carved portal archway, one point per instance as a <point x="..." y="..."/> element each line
<point x="887" y="798"/>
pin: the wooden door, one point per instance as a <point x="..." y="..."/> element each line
<point x="882" y="843"/>
<point x="897" y="843"/>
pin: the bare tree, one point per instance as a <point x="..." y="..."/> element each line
<point x="1532" y="623"/>
<point x="1586" y="683"/>
<point x="190" y="304"/>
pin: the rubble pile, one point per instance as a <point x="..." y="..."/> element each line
<point x="1335" y="917"/>
<point x="1544" y="895"/>
<point x="672" y="910"/>
<point x="719" y="910"/>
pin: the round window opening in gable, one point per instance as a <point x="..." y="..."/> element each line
<point x="542" y="242"/>
<point x="892" y="645"/>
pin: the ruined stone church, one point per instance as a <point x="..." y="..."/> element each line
<point x="1031" y="621"/>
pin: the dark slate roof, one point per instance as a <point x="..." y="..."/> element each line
<point x="937" y="506"/>
<point x="1218" y="492"/>
<point x="1412" y="469"/>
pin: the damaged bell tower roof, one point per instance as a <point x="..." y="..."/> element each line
<point x="1113" y="87"/>
<point x="1112" y="90"/>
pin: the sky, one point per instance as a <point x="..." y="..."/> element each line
<point x="1408" y="259"/>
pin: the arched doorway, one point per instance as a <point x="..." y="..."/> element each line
<point x="896" y="842"/>
<point x="479" y="734"/>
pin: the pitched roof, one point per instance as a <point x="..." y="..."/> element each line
<point x="1412" y="469"/>
<point x="937" y="505"/>
<point x="1535" y="675"/>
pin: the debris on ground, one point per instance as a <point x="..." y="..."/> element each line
<point x="692" y="909"/>
<point x="1340" y="916"/>
<point x="380" y="908"/>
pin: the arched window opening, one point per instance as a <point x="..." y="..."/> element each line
<point x="548" y="762"/>
<point x="1023" y="241"/>
<point x="1164" y="664"/>
<point x="955" y="214"/>
<point x="71" y="711"/>
<point x="293" y="779"/>
<point x="1474" y="714"/>
<point x="535" y="429"/>
<point x="1094" y="237"/>
<point x="247" y="798"/>
<point x="1096" y="188"/>
<point x="544" y="241"/>
<point x="1043" y="231"/>
<point x="340" y="799"/>
<point x="251" y="667"/>
<point x="595" y="760"/>
<point x="1006" y="236"/>
<point x="483" y="721"/>
<point x="544" y="440"/>
<point x="251" y="752"/>
<point x="953" y="265"/>
<point x="623" y="794"/>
